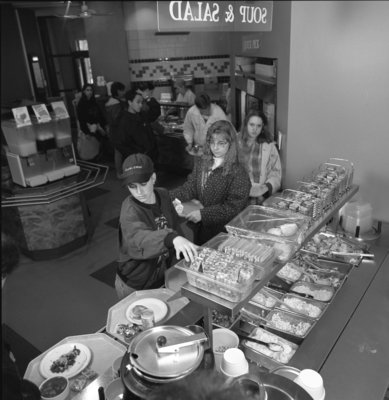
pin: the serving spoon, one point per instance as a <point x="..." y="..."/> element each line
<point x="270" y="345"/>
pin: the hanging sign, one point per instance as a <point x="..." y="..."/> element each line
<point x="41" y="113"/>
<point x="59" y="109"/>
<point x="22" y="117"/>
<point x="227" y="16"/>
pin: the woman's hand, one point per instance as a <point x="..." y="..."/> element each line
<point x="185" y="247"/>
<point x="194" y="216"/>
<point x="258" y="190"/>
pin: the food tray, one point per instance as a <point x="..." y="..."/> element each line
<point x="261" y="354"/>
<point x="326" y="265"/>
<point x="297" y="201"/>
<point x="330" y="278"/>
<point x="221" y="274"/>
<point x="269" y="223"/>
<point x="233" y="292"/>
<point x="264" y="299"/>
<point x="323" y="293"/>
<point x="349" y="168"/>
<point x="300" y="304"/>
<point x="253" y="312"/>
<point x="117" y="313"/>
<point x="326" y="244"/>
<point x="259" y="253"/>
<point x="295" y="326"/>
<point x="105" y="350"/>
<point x="291" y="272"/>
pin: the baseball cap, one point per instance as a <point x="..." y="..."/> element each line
<point x="137" y="168"/>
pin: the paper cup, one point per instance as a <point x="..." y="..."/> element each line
<point x="114" y="391"/>
<point x="223" y="339"/>
<point x="234" y="363"/>
<point x="312" y="382"/>
<point x="116" y="367"/>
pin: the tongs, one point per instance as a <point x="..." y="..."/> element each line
<point x="175" y="344"/>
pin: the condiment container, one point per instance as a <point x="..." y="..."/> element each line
<point x="357" y="217"/>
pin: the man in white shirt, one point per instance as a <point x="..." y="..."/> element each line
<point x="185" y="95"/>
<point x="197" y="121"/>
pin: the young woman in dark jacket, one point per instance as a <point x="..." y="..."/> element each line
<point x="218" y="181"/>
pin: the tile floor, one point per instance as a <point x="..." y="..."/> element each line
<point x="46" y="301"/>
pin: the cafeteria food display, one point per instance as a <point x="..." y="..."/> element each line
<point x="283" y="356"/>
<point x="269" y="223"/>
<point x="221" y="274"/>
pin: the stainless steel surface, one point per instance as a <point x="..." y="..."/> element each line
<point x="175" y="344"/>
<point x="145" y="357"/>
<point x="358" y="366"/>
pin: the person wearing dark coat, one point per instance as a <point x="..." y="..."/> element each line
<point x="133" y="133"/>
<point x="219" y="184"/>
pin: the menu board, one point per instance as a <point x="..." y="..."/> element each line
<point x="59" y="109"/>
<point x="41" y="113"/>
<point x="21" y="115"/>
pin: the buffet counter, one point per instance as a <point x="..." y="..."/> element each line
<point x="52" y="219"/>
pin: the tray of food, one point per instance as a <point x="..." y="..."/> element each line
<point x="266" y="298"/>
<point x="269" y="223"/>
<point x="332" y="246"/>
<point x="323" y="293"/>
<point x="291" y="272"/>
<point x="311" y="262"/>
<point x="252" y="250"/>
<point x="254" y="312"/>
<point x="262" y="354"/>
<point x="308" y="307"/>
<point x="80" y="358"/>
<point x="221" y="274"/>
<point x="124" y="318"/>
<point x="330" y="278"/>
<point x="297" y="201"/>
<point x="291" y="326"/>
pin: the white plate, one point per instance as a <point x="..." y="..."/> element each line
<point x="82" y="360"/>
<point x="159" y="308"/>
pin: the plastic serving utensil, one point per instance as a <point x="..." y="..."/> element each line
<point x="271" y="346"/>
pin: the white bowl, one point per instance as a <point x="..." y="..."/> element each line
<point x="60" y="388"/>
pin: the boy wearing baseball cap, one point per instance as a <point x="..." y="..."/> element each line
<point x="150" y="237"/>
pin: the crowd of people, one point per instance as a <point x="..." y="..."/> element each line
<point x="230" y="171"/>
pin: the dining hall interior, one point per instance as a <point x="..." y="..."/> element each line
<point x="328" y="80"/>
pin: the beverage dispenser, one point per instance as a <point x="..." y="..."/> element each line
<point x="40" y="148"/>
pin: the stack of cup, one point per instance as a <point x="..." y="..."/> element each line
<point x="223" y="339"/>
<point x="312" y="382"/>
<point x="234" y="363"/>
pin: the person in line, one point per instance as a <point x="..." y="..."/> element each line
<point x="151" y="109"/>
<point x="114" y="108"/>
<point x="184" y="93"/>
<point x="150" y="237"/>
<point x="133" y="133"/>
<point x="14" y="387"/>
<point x="116" y="103"/>
<point x="259" y="155"/>
<point x="218" y="182"/>
<point x="197" y="121"/>
<point x="89" y="114"/>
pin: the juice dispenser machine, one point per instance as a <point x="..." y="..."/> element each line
<point x="40" y="150"/>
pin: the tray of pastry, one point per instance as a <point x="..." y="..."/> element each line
<point x="269" y="223"/>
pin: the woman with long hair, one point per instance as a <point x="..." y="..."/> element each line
<point x="219" y="183"/>
<point x="259" y="155"/>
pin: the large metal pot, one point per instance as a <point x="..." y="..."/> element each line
<point x="144" y="367"/>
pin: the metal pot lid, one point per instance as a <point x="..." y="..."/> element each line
<point x="143" y="354"/>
